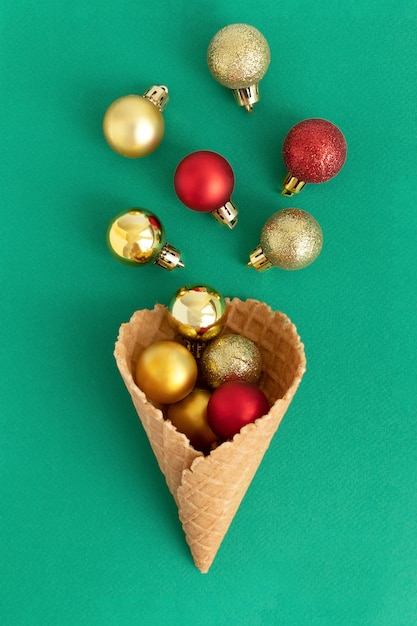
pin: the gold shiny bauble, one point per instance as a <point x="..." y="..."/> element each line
<point x="135" y="236"/>
<point x="189" y="416"/>
<point x="166" y="372"/>
<point x="238" y="56"/>
<point x="231" y="357"/>
<point x="197" y="313"/>
<point x="133" y="126"/>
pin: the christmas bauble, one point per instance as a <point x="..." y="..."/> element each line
<point x="133" y="125"/>
<point x="313" y="151"/>
<point x="233" y="405"/>
<point x="166" y="372"/>
<point x="189" y="416"/>
<point x="231" y="357"/>
<point x="204" y="181"/>
<point x="137" y="237"/>
<point x="238" y="57"/>
<point x="290" y="239"/>
<point x="197" y="312"/>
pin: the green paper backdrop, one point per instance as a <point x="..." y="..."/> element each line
<point x="89" y="534"/>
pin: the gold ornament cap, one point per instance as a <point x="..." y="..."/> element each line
<point x="291" y="185"/>
<point x="226" y="214"/>
<point x="291" y="239"/>
<point x="137" y="237"/>
<point x="197" y="313"/>
<point x="158" y="95"/>
<point x="258" y="260"/>
<point x="238" y="57"/>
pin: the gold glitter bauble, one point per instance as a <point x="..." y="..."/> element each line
<point x="231" y="357"/>
<point x="189" y="416"/>
<point x="291" y="239"/>
<point x="238" y="56"/>
<point x="166" y="372"/>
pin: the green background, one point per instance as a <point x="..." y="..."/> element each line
<point x="89" y="532"/>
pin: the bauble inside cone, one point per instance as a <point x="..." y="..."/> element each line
<point x="209" y="489"/>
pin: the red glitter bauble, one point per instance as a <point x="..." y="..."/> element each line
<point x="204" y="181"/>
<point x="233" y="405"/>
<point x="314" y="150"/>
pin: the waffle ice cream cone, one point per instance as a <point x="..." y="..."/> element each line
<point x="209" y="489"/>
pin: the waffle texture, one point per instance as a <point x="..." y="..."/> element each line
<point x="209" y="489"/>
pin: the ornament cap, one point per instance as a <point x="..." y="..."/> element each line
<point x="195" y="347"/>
<point x="247" y="97"/>
<point x="291" y="185"/>
<point x="226" y="214"/>
<point x="158" y="95"/>
<point x="169" y="258"/>
<point x="258" y="260"/>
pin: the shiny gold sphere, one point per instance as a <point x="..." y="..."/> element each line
<point x="291" y="239"/>
<point x="196" y="312"/>
<point x="166" y="372"/>
<point x="133" y="126"/>
<point x="189" y="416"/>
<point x="135" y="236"/>
<point x="231" y="357"/>
<point x="238" y="56"/>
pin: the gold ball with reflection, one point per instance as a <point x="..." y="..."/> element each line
<point x="166" y="372"/>
<point x="133" y="126"/>
<point x="197" y="312"/>
<point x="189" y="416"/>
<point x="135" y="236"/>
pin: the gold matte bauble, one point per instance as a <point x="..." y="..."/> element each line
<point x="231" y="357"/>
<point x="166" y="372"/>
<point x="189" y="416"/>
<point x="133" y="126"/>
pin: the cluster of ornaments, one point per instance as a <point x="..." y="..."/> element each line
<point x="205" y="382"/>
<point x="313" y="151"/>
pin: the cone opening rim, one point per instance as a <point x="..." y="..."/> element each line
<point x="120" y="353"/>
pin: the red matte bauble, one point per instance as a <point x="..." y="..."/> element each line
<point x="314" y="150"/>
<point x="204" y="181"/>
<point x="233" y="405"/>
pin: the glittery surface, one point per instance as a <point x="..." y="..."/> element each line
<point x="291" y="239"/>
<point x="314" y="150"/>
<point x="238" y="56"/>
<point x="231" y="357"/>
